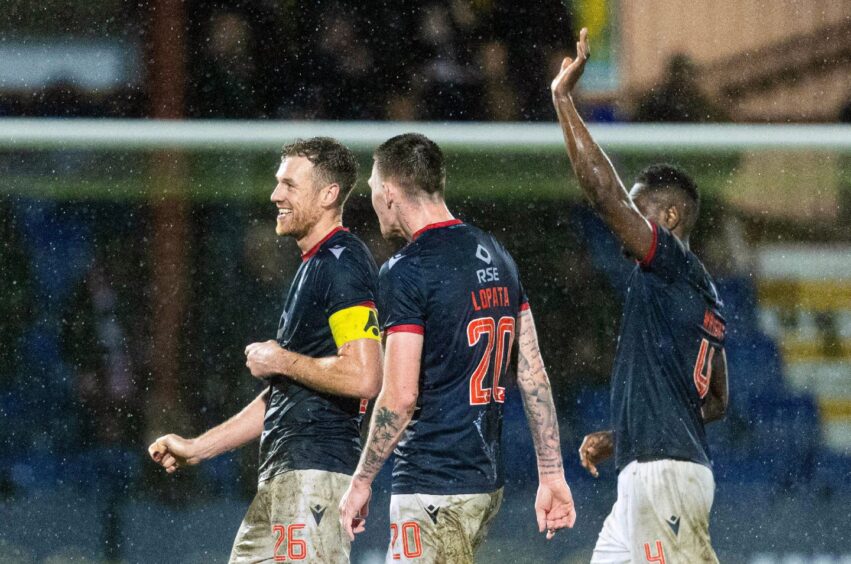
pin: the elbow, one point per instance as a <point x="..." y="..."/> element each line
<point x="364" y="377"/>
<point x="402" y="403"/>
<point x="370" y="386"/>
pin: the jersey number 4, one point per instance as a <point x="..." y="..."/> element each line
<point x="703" y="368"/>
<point x="496" y="333"/>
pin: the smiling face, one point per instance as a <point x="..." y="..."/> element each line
<point x="387" y="219"/>
<point x="296" y="198"/>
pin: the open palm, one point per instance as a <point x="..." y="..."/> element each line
<point x="571" y="69"/>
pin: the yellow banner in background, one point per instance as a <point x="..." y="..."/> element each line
<point x="600" y="17"/>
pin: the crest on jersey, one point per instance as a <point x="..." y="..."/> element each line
<point x="337" y="251"/>
<point x="318" y="511"/>
<point x="393" y="260"/>
<point x="432" y="513"/>
<point x="674" y="522"/>
<point x="483" y="254"/>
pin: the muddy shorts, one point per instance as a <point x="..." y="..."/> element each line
<point x="294" y="516"/>
<point x="439" y="528"/>
<point x="661" y="515"/>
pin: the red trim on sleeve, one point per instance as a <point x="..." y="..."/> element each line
<point x="315" y="249"/>
<point x="369" y="304"/>
<point x="438" y="225"/>
<point x="406" y="328"/>
<point x="524" y="306"/>
<point x="645" y="262"/>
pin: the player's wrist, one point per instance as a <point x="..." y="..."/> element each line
<point x="199" y="449"/>
<point x="360" y="480"/>
<point x="550" y="475"/>
<point x="562" y="98"/>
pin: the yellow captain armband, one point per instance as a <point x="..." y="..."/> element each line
<point x="353" y="323"/>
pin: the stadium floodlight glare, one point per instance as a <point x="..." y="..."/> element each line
<point x="47" y="133"/>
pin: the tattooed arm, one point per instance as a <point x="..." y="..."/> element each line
<point x="554" y="503"/>
<point x="393" y="411"/>
<point x="538" y="399"/>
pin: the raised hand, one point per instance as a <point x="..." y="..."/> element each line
<point x="571" y="69"/>
<point x="596" y="448"/>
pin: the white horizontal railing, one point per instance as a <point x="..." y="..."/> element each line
<point x="75" y="133"/>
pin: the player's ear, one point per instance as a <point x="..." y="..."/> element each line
<point x="390" y="193"/>
<point x="329" y="195"/>
<point x="673" y="217"/>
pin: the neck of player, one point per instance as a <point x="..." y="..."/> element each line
<point x="320" y="229"/>
<point x="415" y="217"/>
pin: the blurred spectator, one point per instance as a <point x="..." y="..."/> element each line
<point x="226" y="77"/>
<point x="448" y="81"/>
<point x="500" y="98"/>
<point x="678" y="98"/>
<point x="343" y="68"/>
<point x="95" y="344"/>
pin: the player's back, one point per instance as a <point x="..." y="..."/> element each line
<point x="456" y="285"/>
<point x="670" y="332"/>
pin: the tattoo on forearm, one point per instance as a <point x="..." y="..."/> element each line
<point x="385" y="430"/>
<point x="538" y="402"/>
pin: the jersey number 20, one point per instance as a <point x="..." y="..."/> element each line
<point x="495" y="332"/>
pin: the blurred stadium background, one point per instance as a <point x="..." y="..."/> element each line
<point x="138" y="257"/>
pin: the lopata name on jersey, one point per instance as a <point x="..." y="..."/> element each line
<point x="495" y="296"/>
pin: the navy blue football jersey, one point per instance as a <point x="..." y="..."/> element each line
<point x="459" y="288"/>
<point x="672" y="328"/>
<point x="305" y="429"/>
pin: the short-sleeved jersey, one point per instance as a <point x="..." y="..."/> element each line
<point x="672" y="328"/>
<point x="305" y="429"/>
<point x="459" y="288"/>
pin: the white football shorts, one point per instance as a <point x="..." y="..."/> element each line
<point x="661" y="515"/>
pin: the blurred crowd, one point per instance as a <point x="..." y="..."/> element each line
<point x="488" y="60"/>
<point x="434" y="60"/>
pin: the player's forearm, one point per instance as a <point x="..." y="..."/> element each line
<point x="390" y="418"/>
<point x="543" y="423"/>
<point x="242" y="428"/>
<point x="538" y="403"/>
<point x="597" y="177"/>
<point x="351" y="375"/>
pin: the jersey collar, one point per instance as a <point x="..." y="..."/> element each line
<point x="315" y="249"/>
<point x="438" y="225"/>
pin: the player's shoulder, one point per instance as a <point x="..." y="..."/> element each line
<point x="345" y="250"/>
<point x="404" y="263"/>
<point x="489" y="247"/>
<point x="692" y="270"/>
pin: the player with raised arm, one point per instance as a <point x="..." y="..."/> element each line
<point x="670" y="372"/>
<point x="451" y="304"/>
<point x="326" y="358"/>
